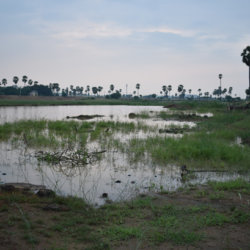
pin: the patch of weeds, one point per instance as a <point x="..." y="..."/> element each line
<point x="230" y="185"/>
<point x="217" y="195"/>
<point x="182" y="237"/>
<point x="238" y="216"/>
<point x="122" y="233"/>
<point x="31" y="239"/>
<point x="39" y="221"/>
<point x="213" y="219"/>
<point x="201" y="193"/>
<point x="4" y="208"/>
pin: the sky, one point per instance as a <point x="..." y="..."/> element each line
<point x="104" y="42"/>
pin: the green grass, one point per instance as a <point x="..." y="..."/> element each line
<point x="230" y="185"/>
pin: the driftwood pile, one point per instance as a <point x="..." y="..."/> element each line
<point x="78" y="157"/>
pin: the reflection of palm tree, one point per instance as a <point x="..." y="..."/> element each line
<point x="138" y="87"/>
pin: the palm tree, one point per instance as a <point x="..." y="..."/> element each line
<point x="4" y="81"/>
<point x="169" y="89"/>
<point x="190" y="90"/>
<point x="199" y="90"/>
<point x="30" y="82"/>
<point x="15" y="79"/>
<point x="164" y="88"/>
<point x="230" y="91"/>
<point x="112" y="87"/>
<point x="36" y="83"/>
<point x="94" y="90"/>
<point x="161" y="92"/>
<point x="88" y="89"/>
<point x="134" y="92"/>
<point x="246" y="59"/>
<point x="25" y="79"/>
<point x="180" y="88"/>
<point x="220" y="76"/>
<point x="137" y="87"/>
<point x="100" y="89"/>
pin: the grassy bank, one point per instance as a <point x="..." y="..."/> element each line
<point x="164" y="222"/>
<point x="53" y="101"/>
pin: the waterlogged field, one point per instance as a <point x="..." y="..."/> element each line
<point x="134" y="160"/>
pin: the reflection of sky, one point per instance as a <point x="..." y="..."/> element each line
<point x="123" y="42"/>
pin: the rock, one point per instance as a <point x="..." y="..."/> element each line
<point x="118" y="181"/>
<point x="84" y="117"/>
<point x="46" y="193"/>
<point x="129" y="174"/>
<point x="132" y="182"/>
<point x="131" y="115"/>
<point x="104" y="195"/>
<point x="52" y="207"/>
<point x="205" y="116"/>
<point x="3" y="173"/>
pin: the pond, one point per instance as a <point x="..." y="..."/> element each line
<point x="119" y="172"/>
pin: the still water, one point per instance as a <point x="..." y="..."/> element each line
<point x="18" y="164"/>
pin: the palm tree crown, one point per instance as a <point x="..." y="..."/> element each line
<point x="15" y="79"/>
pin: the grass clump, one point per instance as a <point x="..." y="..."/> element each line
<point x="230" y="185"/>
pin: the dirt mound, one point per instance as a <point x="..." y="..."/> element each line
<point x="177" y="106"/>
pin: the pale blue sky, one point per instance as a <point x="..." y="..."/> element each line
<point x="153" y="43"/>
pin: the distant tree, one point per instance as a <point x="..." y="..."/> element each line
<point x="67" y="91"/>
<point x="15" y="79"/>
<point x="81" y="90"/>
<point x="120" y="90"/>
<point x="246" y="59"/>
<point x="116" y="95"/>
<point x="180" y="88"/>
<point x="224" y="91"/>
<point x="137" y="87"/>
<point x="190" y="90"/>
<point x="161" y="92"/>
<point x="230" y="91"/>
<point x="100" y="89"/>
<point x="164" y="89"/>
<point x="247" y="93"/>
<point x="153" y="95"/>
<point x="169" y="89"/>
<point x="30" y="82"/>
<point x="88" y="89"/>
<point x="94" y="90"/>
<point x="55" y="86"/>
<point x="199" y="90"/>
<point x="35" y="83"/>
<point x="25" y="79"/>
<point x="112" y="87"/>
<point x="4" y="82"/>
<point x="134" y="92"/>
